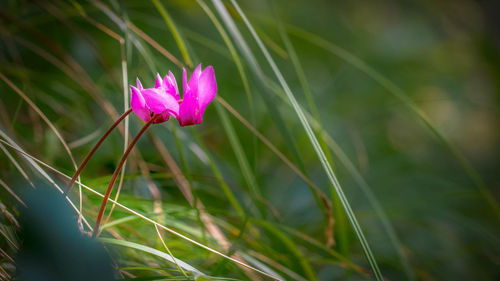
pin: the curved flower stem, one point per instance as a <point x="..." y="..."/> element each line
<point x="84" y="163"/>
<point x="115" y="175"/>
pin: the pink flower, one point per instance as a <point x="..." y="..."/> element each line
<point x="164" y="98"/>
<point x="161" y="100"/>
<point x="197" y="95"/>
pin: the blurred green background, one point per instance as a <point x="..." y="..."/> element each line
<point x="402" y="95"/>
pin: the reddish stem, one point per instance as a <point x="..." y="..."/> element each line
<point x="115" y="175"/>
<point x="84" y="163"/>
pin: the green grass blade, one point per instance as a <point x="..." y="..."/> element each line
<point x="216" y="47"/>
<point x="240" y="155"/>
<point x="267" y="269"/>
<point x="182" y="159"/>
<point x="218" y="175"/>
<point x="239" y="66"/>
<point x="152" y="251"/>
<point x="340" y="218"/>
<point x="175" y="32"/>
<point x="232" y="51"/>
<point x="290" y="245"/>
<point x="374" y="202"/>
<point x="317" y="244"/>
<point x="317" y="148"/>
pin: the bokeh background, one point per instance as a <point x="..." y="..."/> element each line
<point x="402" y="95"/>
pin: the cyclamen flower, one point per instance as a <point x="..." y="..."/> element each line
<point x="197" y="95"/>
<point x="156" y="105"/>
<point x="164" y="98"/>
<point x="160" y="100"/>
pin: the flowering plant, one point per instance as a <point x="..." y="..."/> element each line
<point x="156" y="105"/>
<point x="164" y="100"/>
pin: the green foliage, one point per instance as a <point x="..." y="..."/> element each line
<point x="389" y="107"/>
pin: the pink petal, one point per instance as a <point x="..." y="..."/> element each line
<point x="190" y="89"/>
<point x="184" y="81"/>
<point x="139" y="85"/>
<point x="193" y="82"/>
<point x="198" y="93"/>
<point x="160" y="103"/>
<point x="138" y="103"/>
<point x="189" y="113"/>
<point x="158" y="82"/>
<point x="170" y="86"/>
<point x="207" y="88"/>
